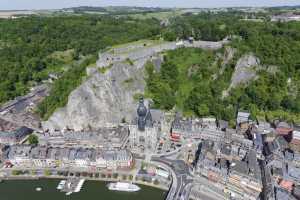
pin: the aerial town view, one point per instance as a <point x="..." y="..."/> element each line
<point x="151" y="100"/>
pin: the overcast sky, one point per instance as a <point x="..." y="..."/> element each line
<point x="50" y="4"/>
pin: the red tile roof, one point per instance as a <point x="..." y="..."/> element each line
<point x="7" y="126"/>
<point x="283" y="130"/>
<point x="285" y="184"/>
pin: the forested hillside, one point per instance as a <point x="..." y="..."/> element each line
<point x="27" y="45"/>
<point x="190" y="80"/>
<point x="272" y="95"/>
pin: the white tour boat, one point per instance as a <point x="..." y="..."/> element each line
<point x="124" y="187"/>
<point x="61" y="184"/>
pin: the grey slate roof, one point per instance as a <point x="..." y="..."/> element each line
<point x="242" y="117"/>
<point x="17" y="134"/>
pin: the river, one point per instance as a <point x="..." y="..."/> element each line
<point x="91" y="190"/>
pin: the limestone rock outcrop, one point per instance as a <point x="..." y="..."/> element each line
<point x="245" y="71"/>
<point x="103" y="100"/>
<point x="107" y="97"/>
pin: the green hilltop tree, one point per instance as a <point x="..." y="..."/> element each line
<point x="33" y="139"/>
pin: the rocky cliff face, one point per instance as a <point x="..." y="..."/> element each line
<point x="244" y="72"/>
<point x="107" y="97"/>
<point x="104" y="99"/>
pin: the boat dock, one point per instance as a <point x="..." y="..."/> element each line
<point x="71" y="185"/>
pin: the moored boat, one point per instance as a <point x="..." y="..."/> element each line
<point x="124" y="187"/>
<point x="61" y="184"/>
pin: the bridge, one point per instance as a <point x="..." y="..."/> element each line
<point x="181" y="177"/>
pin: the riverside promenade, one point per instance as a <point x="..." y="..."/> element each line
<point x="122" y="176"/>
<point x="158" y="186"/>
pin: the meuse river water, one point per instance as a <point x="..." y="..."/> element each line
<point x="91" y="190"/>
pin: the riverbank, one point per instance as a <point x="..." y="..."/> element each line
<point x="137" y="175"/>
<point x="20" y="177"/>
<point x="91" y="190"/>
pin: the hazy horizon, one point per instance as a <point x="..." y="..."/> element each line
<point x="58" y="4"/>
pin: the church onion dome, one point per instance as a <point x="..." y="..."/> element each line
<point x="142" y="110"/>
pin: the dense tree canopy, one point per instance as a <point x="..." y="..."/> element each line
<point x="32" y="47"/>
<point x="33" y="140"/>
<point x="275" y="94"/>
<point x="27" y="45"/>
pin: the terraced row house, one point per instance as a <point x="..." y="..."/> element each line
<point x="281" y="163"/>
<point x="106" y="137"/>
<point x="283" y="167"/>
<point x="25" y="156"/>
<point x="197" y="128"/>
<point x="245" y="177"/>
<point x="15" y="136"/>
<point x="231" y="168"/>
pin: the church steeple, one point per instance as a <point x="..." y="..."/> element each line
<point x="142" y="113"/>
<point x="144" y="116"/>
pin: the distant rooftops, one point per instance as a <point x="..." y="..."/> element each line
<point x="16" y="152"/>
<point x="283" y="128"/>
<point x="7" y="126"/>
<point x="242" y="117"/>
<point x="248" y="167"/>
<point x="103" y="137"/>
<point x="14" y="136"/>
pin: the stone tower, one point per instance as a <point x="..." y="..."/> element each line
<point x="141" y="114"/>
<point x="144" y="118"/>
